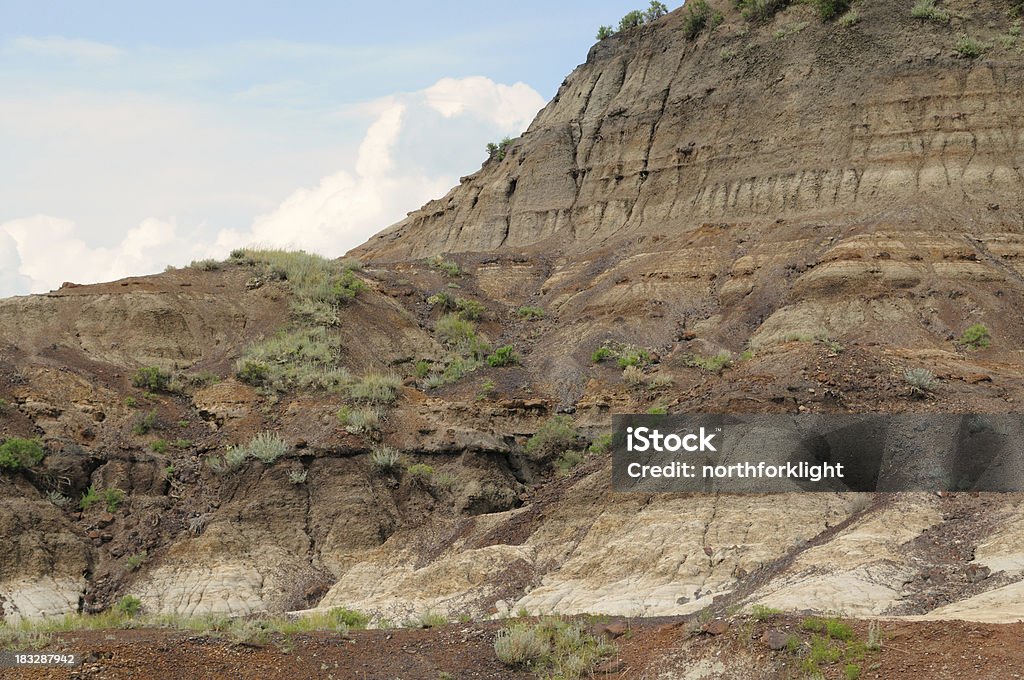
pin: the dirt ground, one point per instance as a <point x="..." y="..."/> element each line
<point x="651" y="648"/>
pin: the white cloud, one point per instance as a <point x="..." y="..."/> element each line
<point x="47" y="251"/>
<point x="511" y="106"/>
<point x="416" y="147"/>
<point x="66" y="48"/>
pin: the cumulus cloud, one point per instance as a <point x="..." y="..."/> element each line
<point x="414" y="150"/>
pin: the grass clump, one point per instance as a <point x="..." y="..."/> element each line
<point x="976" y="337"/>
<point x="600" y="354"/>
<point x="376" y="388"/>
<point x="460" y="335"/>
<point x="17" y="453"/>
<point x="359" y="420"/>
<point x="922" y="381"/>
<point x="304" y="355"/>
<point x="762" y="613"/>
<point x="385" y="459"/>
<point x="700" y="17"/>
<point x="715" y="364"/>
<point x="926" y="9"/>
<point x="299" y="357"/>
<point x="830" y="9"/>
<point x="129" y="606"/>
<point x="552" y="648"/>
<point x="449" y="267"/>
<point x="851" y="18"/>
<point x="297" y="477"/>
<point x="152" y="379"/>
<point x="267" y="447"/>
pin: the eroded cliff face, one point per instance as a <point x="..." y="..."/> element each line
<point x="828" y="204"/>
<point x="803" y="121"/>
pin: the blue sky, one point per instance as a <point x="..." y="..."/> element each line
<point x="137" y="135"/>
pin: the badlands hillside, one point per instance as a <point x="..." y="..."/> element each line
<point x="773" y="213"/>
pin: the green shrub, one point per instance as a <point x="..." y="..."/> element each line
<point x="420" y="471"/>
<point x="470" y="310"/>
<point x="632" y="19"/>
<point x="460" y="335"/>
<point x="830" y="9"/>
<point x="655" y="11"/>
<point x="630" y="355"/>
<point x="926" y="9"/>
<point x="17" y="453"/>
<point x="503" y="356"/>
<point x="89" y="498"/>
<point x="969" y="48"/>
<point x="113" y="499"/>
<point x="567" y="461"/>
<point x="144" y="423"/>
<point x="556" y="435"/>
<point x="350" y="618"/>
<point x="206" y="265"/>
<point x="602" y="33"/>
<point x="495" y="152"/>
<point x="128" y="606"/>
<point x="442" y="300"/>
<point x="255" y="373"/>
<point x="851" y="671"/>
<point x="152" y="379"/>
<point x="531" y="313"/>
<point x="159" y="446"/>
<point x="837" y="630"/>
<point x="135" y="561"/>
<point x="600" y="354"/>
<point x="657" y="411"/>
<point x="976" y="337"/>
<point x="298" y="476"/>
<point x="421" y="369"/>
<point x="376" y="388"/>
<point x="698" y="17"/>
<point x="602" y="444"/>
<point x="760" y="10"/>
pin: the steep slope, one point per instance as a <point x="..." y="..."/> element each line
<point x="828" y="204"/>
<point x="873" y="123"/>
